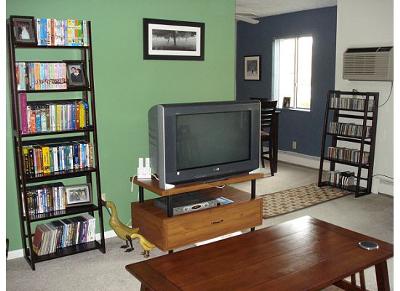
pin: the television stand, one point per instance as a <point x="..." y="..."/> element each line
<point x="168" y="232"/>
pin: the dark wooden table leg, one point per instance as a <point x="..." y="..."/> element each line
<point x="353" y="280"/>
<point x="141" y="194"/>
<point x="169" y="207"/>
<point x="382" y="277"/>
<point x="253" y="195"/>
<point x="276" y="143"/>
<point x="362" y="280"/>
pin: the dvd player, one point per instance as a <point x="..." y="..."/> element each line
<point x="188" y="202"/>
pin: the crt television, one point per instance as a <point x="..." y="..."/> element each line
<point x="202" y="141"/>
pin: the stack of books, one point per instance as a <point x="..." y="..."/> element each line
<point x="340" y="179"/>
<point x="52" y="117"/>
<point x="351" y="103"/>
<point x="43" y="160"/>
<point x="63" y="32"/>
<point x="346" y="154"/>
<point x="41" y="76"/>
<point x="58" y="234"/>
<point x="349" y="129"/>
<point x="45" y="199"/>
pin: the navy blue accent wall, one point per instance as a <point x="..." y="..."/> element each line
<point x="304" y="127"/>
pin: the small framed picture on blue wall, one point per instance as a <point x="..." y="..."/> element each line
<point x="252" y="68"/>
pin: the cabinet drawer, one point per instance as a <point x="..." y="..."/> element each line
<point x="206" y="224"/>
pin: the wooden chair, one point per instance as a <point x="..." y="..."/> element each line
<point x="269" y="134"/>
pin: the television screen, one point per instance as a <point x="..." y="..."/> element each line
<point x="209" y="139"/>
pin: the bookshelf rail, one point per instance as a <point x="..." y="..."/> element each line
<point x="349" y="138"/>
<point x="62" y="213"/>
<point x="80" y="89"/>
<point x="45" y="133"/>
<point x="75" y="249"/>
<point x="361" y="158"/>
<point x="87" y="134"/>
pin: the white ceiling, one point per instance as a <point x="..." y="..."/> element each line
<point x="263" y="8"/>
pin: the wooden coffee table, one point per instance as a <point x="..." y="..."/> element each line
<point x="301" y="254"/>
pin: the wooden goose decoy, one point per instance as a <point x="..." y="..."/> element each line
<point x="126" y="233"/>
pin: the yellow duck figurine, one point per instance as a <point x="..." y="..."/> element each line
<point x="126" y="233"/>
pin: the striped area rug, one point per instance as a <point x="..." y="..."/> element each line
<point x="286" y="201"/>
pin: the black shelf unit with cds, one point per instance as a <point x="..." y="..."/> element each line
<point x="350" y="117"/>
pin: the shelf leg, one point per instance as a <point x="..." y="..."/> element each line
<point x="253" y="189"/>
<point x="141" y="194"/>
<point x="169" y="207"/>
<point x="253" y="196"/>
<point x="170" y="251"/>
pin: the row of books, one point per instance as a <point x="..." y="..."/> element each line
<point x="52" y="117"/>
<point x="346" y="154"/>
<point x="43" y="160"/>
<point x="340" y="179"/>
<point x="41" y="76"/>
<point x="349" y="129"/>
<point x="45" y="199"/>
<point x="49" y="237"/>
<point x="61" y="32"/>
<point x="351" y="103"/>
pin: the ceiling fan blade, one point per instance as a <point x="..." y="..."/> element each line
<point x="246" y="19"/>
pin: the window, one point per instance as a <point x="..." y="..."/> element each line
<point x="292" y="71"/>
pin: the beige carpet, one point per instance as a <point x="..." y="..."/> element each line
<point x="286" y="201"/>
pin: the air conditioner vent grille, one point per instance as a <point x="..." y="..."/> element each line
<point x="368" y="64"/>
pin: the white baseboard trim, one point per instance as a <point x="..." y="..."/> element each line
<point x="379" y="184"/>
<point x="300" y="159"/>
<point x="20" y="252"/>
<point x="382" y="185"/>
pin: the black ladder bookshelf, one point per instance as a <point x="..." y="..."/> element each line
<point x="87" y="135"/>
<point x="349" y="117"/>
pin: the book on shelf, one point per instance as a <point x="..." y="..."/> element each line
<point x="48" y="159"/>
<point x="348" y="129"/>
<point x="41" y="76"/>
<point x="23" y="112"/>
<point x="351" y="103"/>
<point x="20" y="74"/>
<point x="347" y="154"/>
<point x="52" y="236"/>
<point x="61" y="32"/>
<point x="45" y="198"/>
<point x="53" y="117"/>
<point x="341" y="179"/>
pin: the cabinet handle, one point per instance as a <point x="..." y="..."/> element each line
<point x="218" y="221"/>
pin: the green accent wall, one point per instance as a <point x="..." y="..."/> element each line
<point x="126" y="85"/>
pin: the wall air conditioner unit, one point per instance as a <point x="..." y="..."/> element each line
<point x="368" y="64"/>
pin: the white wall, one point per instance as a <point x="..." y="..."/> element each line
<point x="368" y="23"/>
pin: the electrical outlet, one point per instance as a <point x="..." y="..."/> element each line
<point x="294" y="145"/>
<point x="103" y="196"/>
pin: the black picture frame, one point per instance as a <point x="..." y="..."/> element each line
<point x="75" y="81"/>
<point x="252" y="68"/>
<point x="74" y="195"/>
<point x="21" y="27"/>
<point x="286" y="102"/>
<point x="154" y="44"/>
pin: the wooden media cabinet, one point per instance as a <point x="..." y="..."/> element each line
<point x="168" y="232"/>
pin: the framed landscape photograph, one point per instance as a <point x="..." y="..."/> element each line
<point x="173" y="40"/>
<point x="76" y="75"/>
<point x="23" y="29"/>
<point x="78" y="195"/>
<point x="252" y="69"/>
